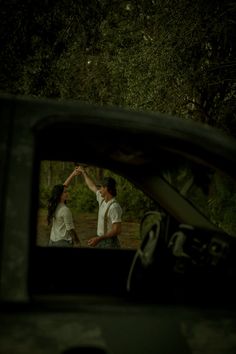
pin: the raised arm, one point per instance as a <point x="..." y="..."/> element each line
<point x="71" y="176"/>
<point x="88" y="180"/>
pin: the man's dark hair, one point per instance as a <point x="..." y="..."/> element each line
<point x="110" y="183"/>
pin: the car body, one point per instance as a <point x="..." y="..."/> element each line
<point x="108" y="300"/>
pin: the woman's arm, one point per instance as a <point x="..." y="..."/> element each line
<point x="76" y="172"/>
<point x="76" y="241"/>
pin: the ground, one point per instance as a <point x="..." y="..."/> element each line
<point x="85" y="224"/>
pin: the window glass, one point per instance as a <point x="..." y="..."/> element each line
<point x="211" y="192"/>
<point x="83" y="204"/>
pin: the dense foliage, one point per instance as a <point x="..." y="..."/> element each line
<point x="171" y="56"/>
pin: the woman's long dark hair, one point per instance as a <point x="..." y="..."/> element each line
<point x="54" y="200"/>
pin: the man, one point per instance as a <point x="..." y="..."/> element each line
<point x="109" y="214"/>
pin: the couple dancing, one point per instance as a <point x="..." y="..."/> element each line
<point x="63" y="232"/>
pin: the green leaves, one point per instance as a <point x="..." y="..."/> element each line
<point x="176" y="57"/>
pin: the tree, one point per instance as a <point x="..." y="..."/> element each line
<point x="170" y="56"/>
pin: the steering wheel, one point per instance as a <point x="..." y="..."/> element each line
<point x="145" y="255"/>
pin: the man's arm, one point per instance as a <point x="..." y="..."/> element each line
<point x="115" y="231"/>
<point x="88" y="180"/>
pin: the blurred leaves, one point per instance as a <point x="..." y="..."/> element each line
<point x="170" y="56"/>
<point x="175" y="57"/>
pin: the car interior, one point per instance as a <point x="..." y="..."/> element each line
<point x="184" y="259"/>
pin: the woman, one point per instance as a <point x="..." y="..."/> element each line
<point x="63" y="232"/>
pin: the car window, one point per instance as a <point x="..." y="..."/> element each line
<point x="83" y="203"/>
<point x="211" y="191"/>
